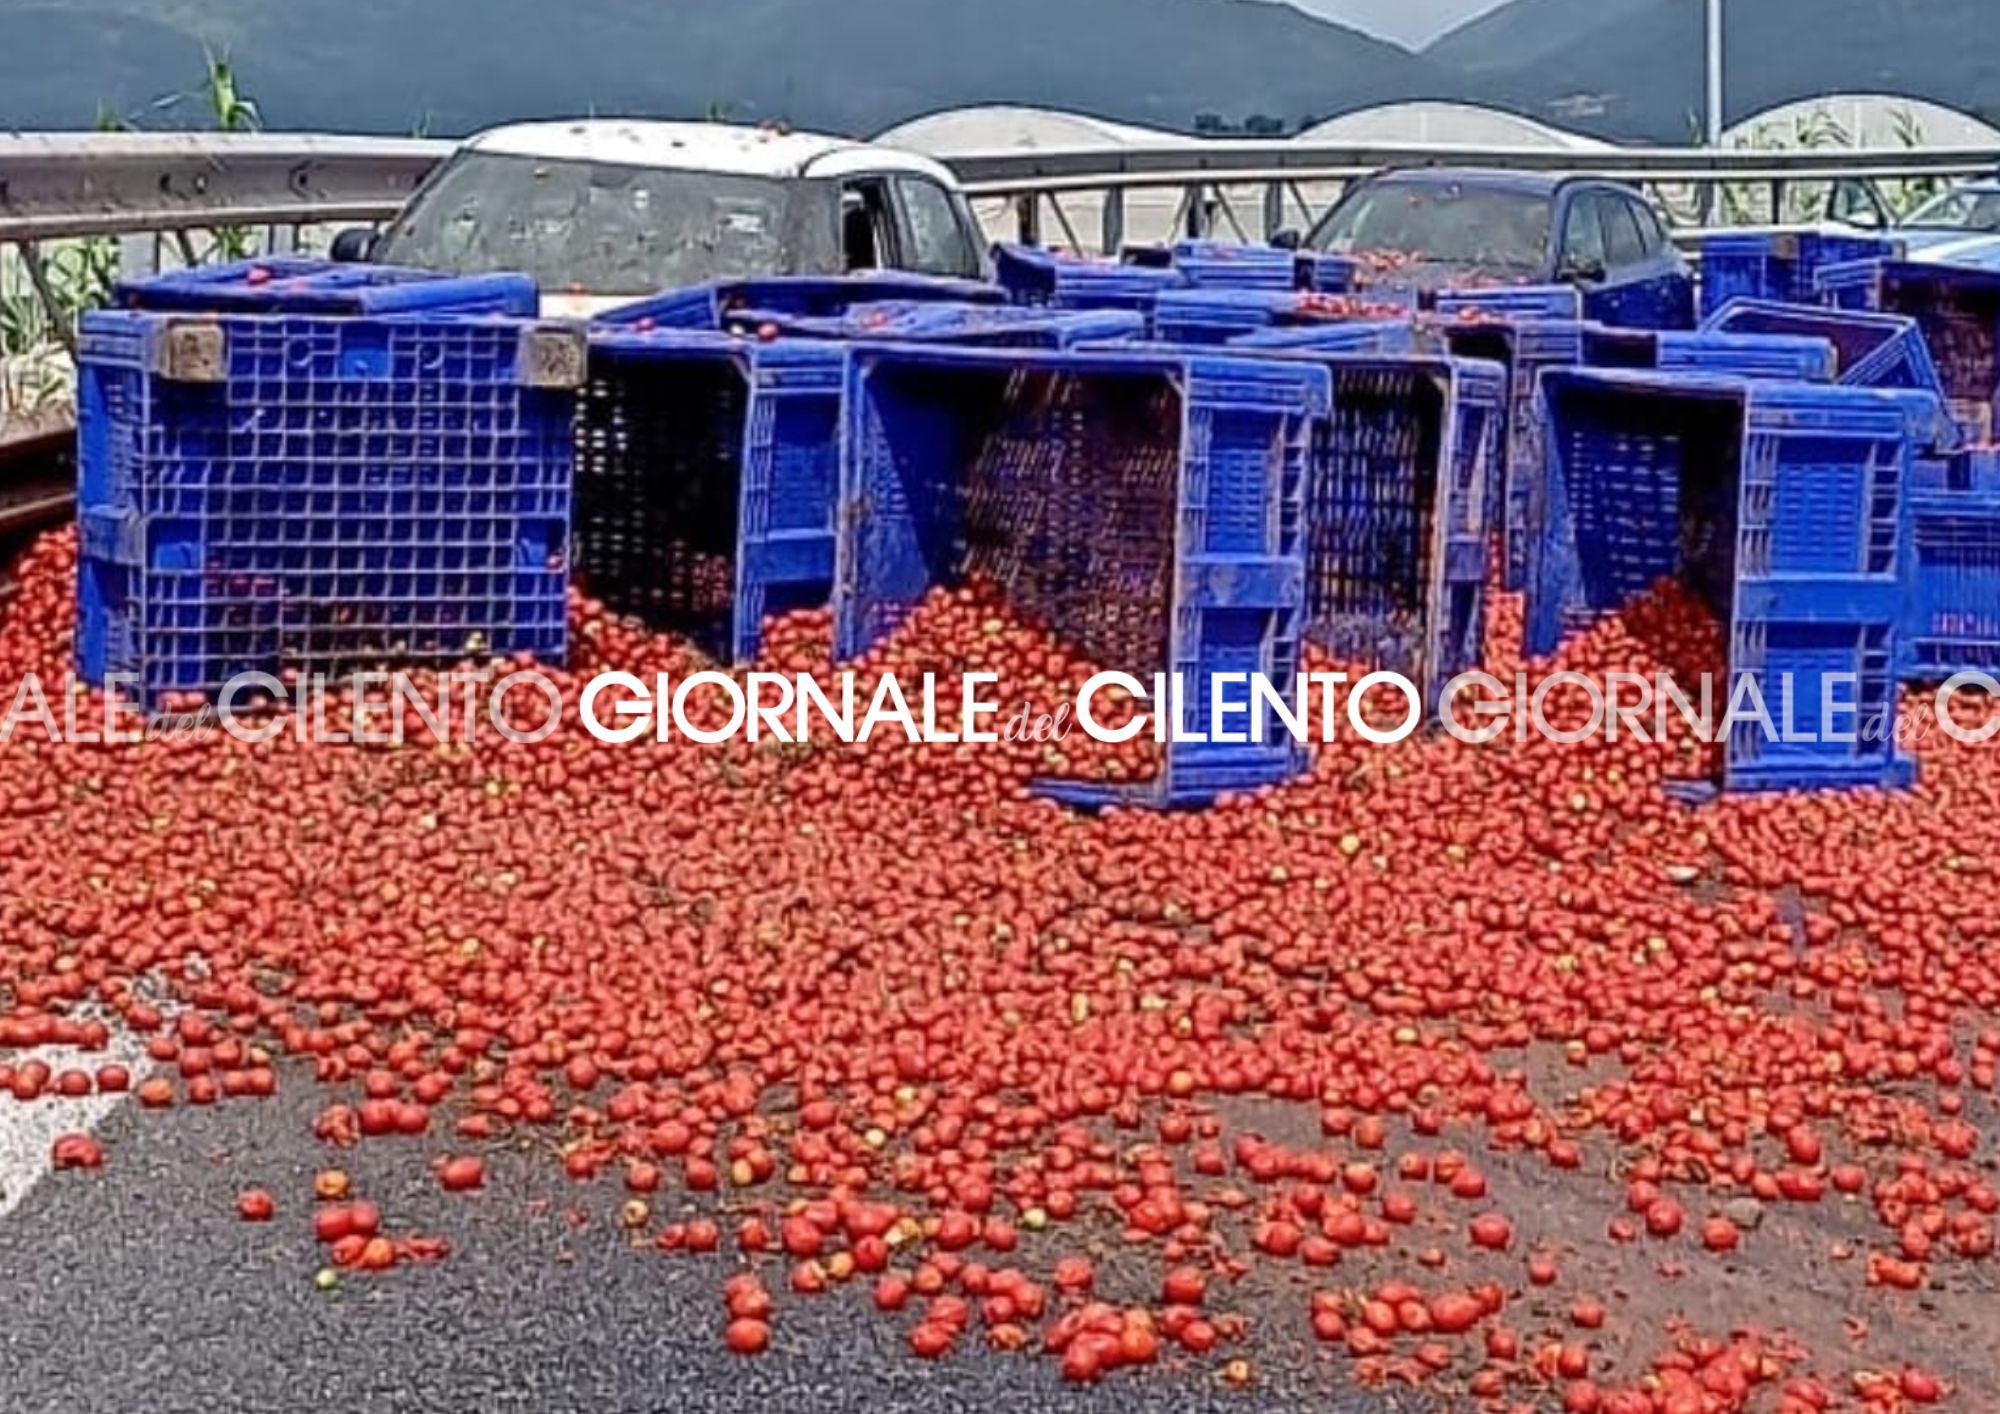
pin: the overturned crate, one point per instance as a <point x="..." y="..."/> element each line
<point x="1778" y="504"/>
<point x="1397" y="515"/>
<point x="1146" y="505"/>
<point x="706" y="470"/>
<point x="261" y="493"/>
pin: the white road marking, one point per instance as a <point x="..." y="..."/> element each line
<point x="29" y="1129"/>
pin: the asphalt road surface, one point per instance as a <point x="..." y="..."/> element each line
<point x="138" y="1290"/>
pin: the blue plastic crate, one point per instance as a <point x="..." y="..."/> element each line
<point x="1037" y="277"/>
<point x="1521" y="351"/>
<point x="1147" y="505"/>
<point x="1319" y="273"/>
<point x="1223" y="265"/>
<point x="706" y="476"/>
<point x="1872" y="350"/>
<point x="1786" y="358"/>
<point x="1958" y="311"/>
<point x="1513" y="302"/>
<point x="1777" y="265"/>
<point x="975" y="325"/>
<point x="1376" y="336"/>
<point x="1206" y="317"/>
<point x="304" y="285"/>
<point x="1397" y="514"/>
<point x="711" y="305"/>
<point x="1779" y="504"/>
<point x="1216" y="316"/>
<point x="1954" y="622"/>
<point x="262" y="492"/>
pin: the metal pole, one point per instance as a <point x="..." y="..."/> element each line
<point x="1715" y="73"/>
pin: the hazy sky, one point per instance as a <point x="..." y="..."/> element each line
<point x="1405" y="21"/>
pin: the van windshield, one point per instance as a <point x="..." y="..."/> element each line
<point x="603" y="229"/>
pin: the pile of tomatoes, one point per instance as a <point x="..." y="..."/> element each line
<point x="1475" y="1067"/>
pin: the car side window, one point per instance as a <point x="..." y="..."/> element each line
<point x="939" y="244"/>
<point x="1583" y="235"/>
<point x="867" y="234"/>
<point x="1652" y="230"/>
<point x="1624" y="237"/>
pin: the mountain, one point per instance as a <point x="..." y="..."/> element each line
<point x="1640" y="73"/>
<point x="1523" y="32"/>
<point x="1627" y="69"/>
<point x="849" y="65"/>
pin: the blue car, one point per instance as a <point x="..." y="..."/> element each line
<point x="1443" y="228"/>
<point x="1957" y="227"/>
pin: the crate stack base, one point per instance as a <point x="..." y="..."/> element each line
<point x="272" y="492"/>
<point x="1148" y="506"/>
<point x="706" y="476"/>
<point x="1778" y="504"/>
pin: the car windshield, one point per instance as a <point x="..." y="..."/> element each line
<point x="1452" y="224"/>
<point x="1967" y="209"/>
<point x="602" y="229"/>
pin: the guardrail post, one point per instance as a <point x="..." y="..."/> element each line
<point x="1028" y="218"/>
<point x="1274" y="209"/>
<point x="1112" y="230"/>
<point x="138" y="256"/>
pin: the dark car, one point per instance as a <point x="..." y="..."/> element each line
<point x="1439" y="228"/>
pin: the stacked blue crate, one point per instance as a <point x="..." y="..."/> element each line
<point x="1223" y="265"/>
<point x="297" y="284"/>
<point x="1782" y="357"/>
<point x="1777" y="265"/>
<point x="1958" y="310"/>
<point x="715" y="304"/>
<point x="1781" y="506"/>
<point x="706" y="475"/>
<point x="974" y="325"/>
<point x="1207" y="317"/>
<point x="1037" y="277"/>
<point x="1512" y="302"/>
<point x="1147" y="505"/>
<point x="1521" y="350"/>
<point x="1954" y="523"/>
<point x="274" y="491"/>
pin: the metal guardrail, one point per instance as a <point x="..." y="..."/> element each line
<point x="58" y="185"/>
<point x="55" y="185"/>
